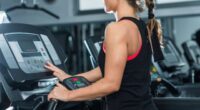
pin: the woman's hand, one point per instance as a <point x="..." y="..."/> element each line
<point x="59" y="93"/>
<point x="60" y="74"/>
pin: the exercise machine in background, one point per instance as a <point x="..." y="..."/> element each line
<point x="173" y="67"/>
<point x="192" y="54"/>
<point x="93" y="45"/>
<point x="35" y="7"/>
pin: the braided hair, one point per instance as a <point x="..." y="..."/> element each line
<point x="152" y="23"/>
<point x="153" y="26"/>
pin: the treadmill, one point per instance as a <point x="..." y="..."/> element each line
<point x="24" y="49"/>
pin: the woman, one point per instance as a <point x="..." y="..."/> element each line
<point x="124" y="61"/>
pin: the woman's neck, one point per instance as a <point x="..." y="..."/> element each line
<point x="125" y="10"/>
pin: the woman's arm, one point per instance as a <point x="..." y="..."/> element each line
<point x="92" y="75"/>
<point x="116" y="57"/>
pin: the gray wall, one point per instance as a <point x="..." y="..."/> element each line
<point x="64" y="8"/>
<point x="184" y="28"/>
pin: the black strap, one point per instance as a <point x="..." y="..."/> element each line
<point x="136" y="21"/>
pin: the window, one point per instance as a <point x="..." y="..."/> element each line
<point x="88" y="5"/>
<point x="173" y="1"/>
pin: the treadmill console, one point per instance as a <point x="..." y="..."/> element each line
<point x="29" y="50"/>
<point x="25" y="49"/>
<point x="76" y="82"/>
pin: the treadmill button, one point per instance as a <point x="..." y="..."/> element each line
<point x="74" y="79"/>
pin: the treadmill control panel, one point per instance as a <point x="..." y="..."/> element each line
<point x="28" y="51"/>
<point x="75" y="82"/>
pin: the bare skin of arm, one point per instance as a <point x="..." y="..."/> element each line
<point x="116" y="57"/>
<point x="92" y="75"/>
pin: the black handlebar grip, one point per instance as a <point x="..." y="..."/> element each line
<point x="52" y="105"/>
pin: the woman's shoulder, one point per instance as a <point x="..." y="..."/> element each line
<point x="115" y="32"/>
<point x="120" y="29"/>
<point x="116" y="28"/>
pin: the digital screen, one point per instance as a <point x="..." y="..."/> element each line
<point x="27" y="46"/>
<point x="25" y="41"/>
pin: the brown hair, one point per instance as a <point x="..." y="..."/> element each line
<point x="152" y="24"/>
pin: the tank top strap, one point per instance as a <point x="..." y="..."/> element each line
<point x="134" y="20"/>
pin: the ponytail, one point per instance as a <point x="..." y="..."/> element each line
<point x="153" y="25"/>
<point x="154" y="32"/>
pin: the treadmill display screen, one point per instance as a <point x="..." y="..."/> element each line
<point x="25" y="41"/>
<point x="29" y="50"/>
<point x="27" y="46"/>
